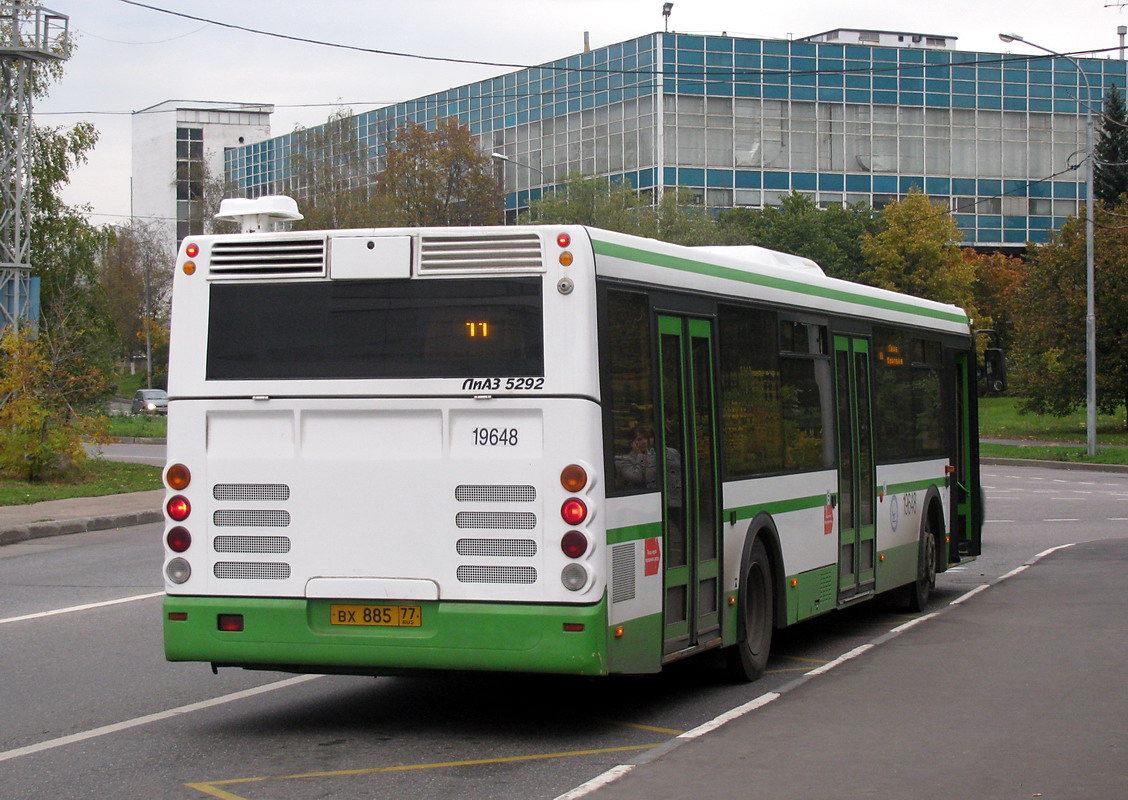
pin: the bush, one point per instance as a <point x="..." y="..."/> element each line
<point x="41" y="430"/>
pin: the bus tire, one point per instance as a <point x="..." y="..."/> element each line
<point x="921" y="590"/>
<point x="748" y="658"/>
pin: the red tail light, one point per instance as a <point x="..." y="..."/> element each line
<point x="229" y="622"/>
<point x="178" y="508"/>
<point x="574" y="544"/>
<point x="179" y="539"/>
<point x="573" y="511"/>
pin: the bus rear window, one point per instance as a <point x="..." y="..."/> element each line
<point x="457" y="328"/>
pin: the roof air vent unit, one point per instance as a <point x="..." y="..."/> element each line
<point x="260" y="214"/>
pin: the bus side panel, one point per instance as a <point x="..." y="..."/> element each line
<point x="901" y="492"/>
<point x="634" y="535"/>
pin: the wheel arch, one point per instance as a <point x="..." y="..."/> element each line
<point x="763" y="528"/>
<point x="934" y="509"/>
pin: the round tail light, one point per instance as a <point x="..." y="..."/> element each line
<point x="574" y="544"/>
<point x="178" y="570"/>
<point x="574" y="577"/>
<point x="178" y="508"/>
<point x="573" y="478"/>
<point x="573" y="511"/>
<point x="178" y="477"/>
<point x="179" y="539"/>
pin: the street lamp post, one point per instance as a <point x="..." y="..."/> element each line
<point x="1090" y="282"/>
<point x="507" y="160"/>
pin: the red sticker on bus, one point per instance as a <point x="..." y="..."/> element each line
<point x="828" y="519"/>
<point x="652" y="557"/>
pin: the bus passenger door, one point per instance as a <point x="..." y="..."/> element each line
<point x="691" y="508"/>
<point x="856" y="484"/>
<point x="966" y="497"/>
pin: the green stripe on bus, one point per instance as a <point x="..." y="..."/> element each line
<point x="914" y="486"/>
<point x="632" y="533"/>
<point x="700" y="268"/>
<point x="778" y="506"/>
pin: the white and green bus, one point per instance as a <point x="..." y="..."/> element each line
<point x="546" y="448"/>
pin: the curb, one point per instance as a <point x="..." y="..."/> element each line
<point x="1034" y="462"/>
<point x="42" y="530"/>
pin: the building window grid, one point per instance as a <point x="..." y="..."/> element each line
<point x="604" y="152"/>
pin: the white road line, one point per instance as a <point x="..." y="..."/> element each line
<point x="1065" y="519"/>
<point x="598" y="782"/>
<point x="967" y="596"/>
<point x="51" y="744"/>
<point x="827" y="667"/>
<point x="86" y="607"/>
<point x="730" y="715"/>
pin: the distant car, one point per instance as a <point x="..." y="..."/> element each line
<point x="150" y="401"/>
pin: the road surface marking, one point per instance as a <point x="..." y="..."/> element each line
<point x="116" y="727"/>
<point x="86" y="607"/>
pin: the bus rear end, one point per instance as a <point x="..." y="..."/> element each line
<point x="385" y="453"/>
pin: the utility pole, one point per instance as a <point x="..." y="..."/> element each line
<point x="29" y="36"/>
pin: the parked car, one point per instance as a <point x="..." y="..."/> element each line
<point x="150" y="401"/>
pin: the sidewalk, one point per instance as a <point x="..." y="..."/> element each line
<point x="1017" y="693"/>
<point x="79" y="514"/>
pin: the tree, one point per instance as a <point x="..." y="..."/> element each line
<point x="1049" y="356"/>
<point x="998" y="278"/>
<point x="830" y="237"/>
<point x="437" y="176"/>
<point x="616" y="206"/>
<point x="136" y="276"/>
<point x="1110" y="162"/>
<point x="48" y="385"/>
<point x="917" y="252"/>
<point x="331" y="172"/>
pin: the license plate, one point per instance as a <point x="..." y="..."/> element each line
<point x="385" y="616"/>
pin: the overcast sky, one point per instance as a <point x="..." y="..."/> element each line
<point x="128" y="58"/>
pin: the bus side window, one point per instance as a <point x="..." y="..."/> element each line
<point x="629" y="393"/>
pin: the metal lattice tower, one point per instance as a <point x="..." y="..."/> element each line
<point x="29" y="35"/>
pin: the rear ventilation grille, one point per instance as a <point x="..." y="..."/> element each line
<point x="497" y="575"/>
<point x="259" y="258"/>
<point x="623" y="572"/>
<point x="251" y="491"/>
<point x="499" y="251"/>
<point x="500" y="548"/>
<point x="498" y="520"/>
<point x="495" y="494"/>
<point x="251" y="544"/>
<point x="239" y="518"/>
<point x="251" y="571"/>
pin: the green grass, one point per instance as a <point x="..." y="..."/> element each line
<point x="145" y="426"/>
<point x="1000" y="418"/>
<point x="98" y="478"/>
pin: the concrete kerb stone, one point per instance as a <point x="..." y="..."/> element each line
<point x="1074" y="465"/>
<point x="43" y="530"/>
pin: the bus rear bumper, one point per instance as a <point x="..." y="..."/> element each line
<point x="298" y="635"/>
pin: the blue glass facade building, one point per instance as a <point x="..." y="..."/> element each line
<point x="741" y="122"/>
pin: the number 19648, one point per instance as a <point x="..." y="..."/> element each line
<point x="493" y="437"/>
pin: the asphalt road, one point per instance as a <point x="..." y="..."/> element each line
<point x="89" y="708"/>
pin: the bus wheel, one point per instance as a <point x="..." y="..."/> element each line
<point x="921" y="590"/>
<point x="749" y="656"/>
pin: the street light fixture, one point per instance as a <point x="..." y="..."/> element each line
<point x="507" y="159"/>
<point x="1090" y="305"/>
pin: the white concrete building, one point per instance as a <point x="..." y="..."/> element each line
<point x="176" y="144"/>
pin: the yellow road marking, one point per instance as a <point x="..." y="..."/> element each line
<point x="211" y="787"/>
<point x="639" y="726"/>
<point x="805" y="660"/>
